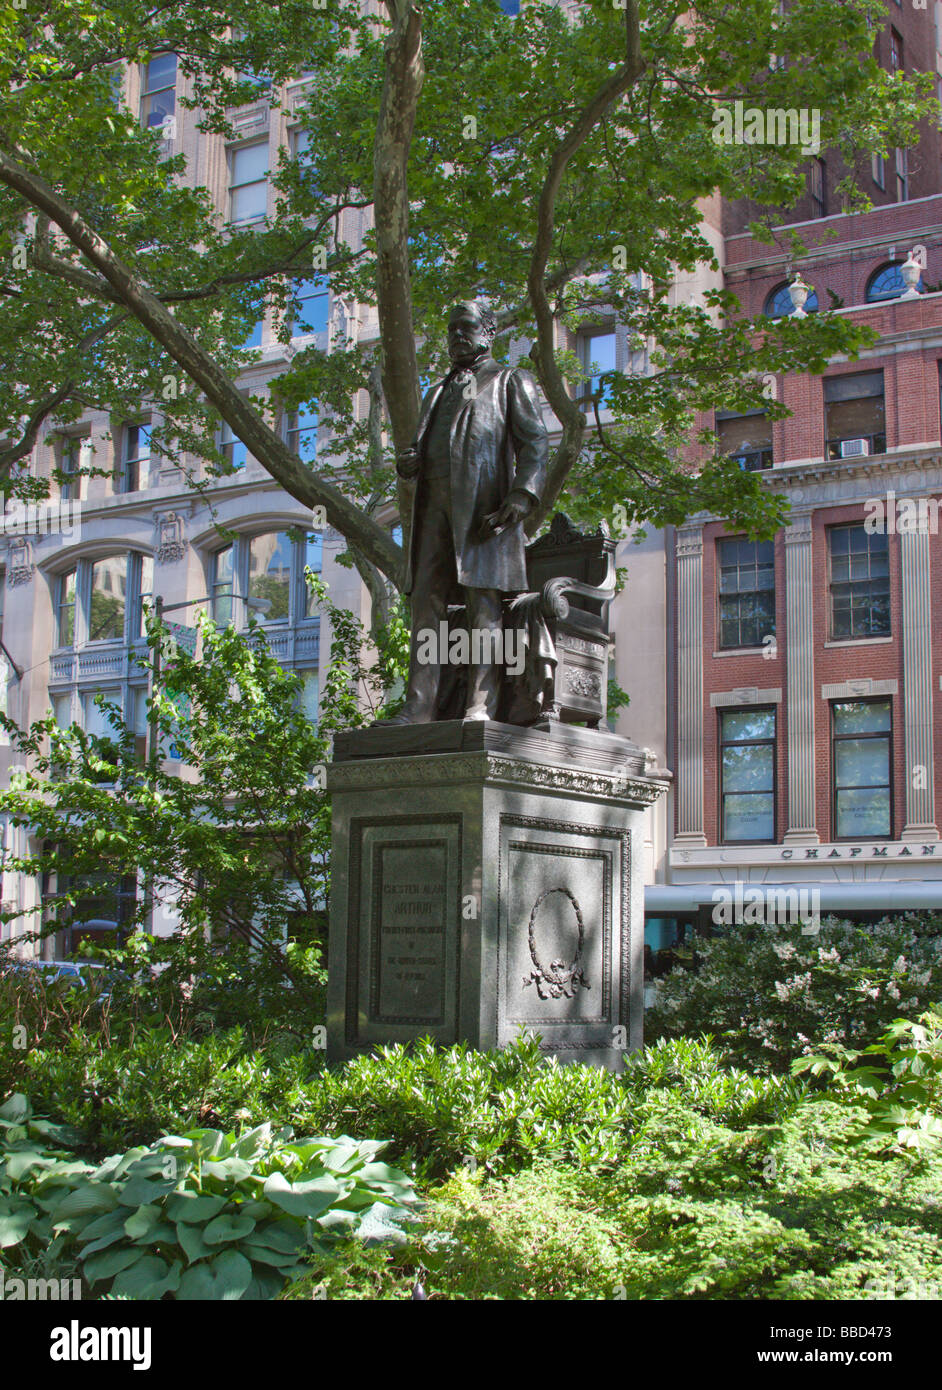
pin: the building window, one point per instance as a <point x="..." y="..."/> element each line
<point x="596" y="351"/>
<point x="135" y="458"/>
<point x="859" y="580"/>
<point x="221" y="589"/>
<point x="248" y="188"/>
<point x="231" y="447"/>
<point x="896" y="51"/>
<point x="878" y="170"/>
<point x="888" y="283"/>
<point x="301" y="430"/>
<point x="746" y="592"/>
<point x="311" y="315"/>
<point x="108" y="599"/>
<point x="254" y="336"/>
<point x="268" y="569"/>
<point x="314" y="560"/>
<point x="746" y="438"/>
<point x="779" y="304"/>
<point x="158" y="100"/>
<point x="142" y="571"/>
<point x="747" y="775"/>
<point x="270" y="574"/>
<point x="817" y="186"/>
<point x="860" y="758"/>
<point x="902" y="176"/>
<point x="855" y="415"/>
<point x="74" y="458"/>
<point x="65" y="609"/>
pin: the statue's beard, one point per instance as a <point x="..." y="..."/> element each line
<point x="467" y="356"/>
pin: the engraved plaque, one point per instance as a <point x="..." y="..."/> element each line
<point x="409" y="888"/>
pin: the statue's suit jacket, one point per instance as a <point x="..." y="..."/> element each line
<point x="498" y="443"/>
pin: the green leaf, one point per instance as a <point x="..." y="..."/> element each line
<point x="140" y="1192"/>
<point x="103" y="1231"/>
<point x="191" y="1206"/>
<point x="234" y="1272"/>
<point x="307" y="1199"/>
<point x="191" y="1242"/>
<point x="14" y="1225"/>
<point x="88" y="1199"/>
<point x="143" y="1220"/>
<point x="15" y="1110"/>
<point x="150" y="1277"/>
<point x="112" y="1262"/>
<point x="227" y="1228"/>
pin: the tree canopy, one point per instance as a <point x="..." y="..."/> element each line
<point x="553" y="161"/>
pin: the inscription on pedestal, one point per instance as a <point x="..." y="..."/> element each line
<point x="409" y="901"/>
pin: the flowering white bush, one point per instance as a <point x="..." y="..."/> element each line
<point x="770" y="994"/>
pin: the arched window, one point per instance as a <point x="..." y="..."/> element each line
<point x="779" y="304"/>
<point x="888" y="283"/>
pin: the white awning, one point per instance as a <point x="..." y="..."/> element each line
<point x="884" y="895"/>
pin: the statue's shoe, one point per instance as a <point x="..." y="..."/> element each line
<point x="407" y="716"/>
<point x="475" y="715"/>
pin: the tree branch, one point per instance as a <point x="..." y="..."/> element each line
<point x="567" y="412"/>
<point x="222" y="393"/>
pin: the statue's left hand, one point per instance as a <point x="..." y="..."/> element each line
<point x="513" y="509"/>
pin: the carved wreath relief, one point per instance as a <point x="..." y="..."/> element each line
<point x="557" y="980"/>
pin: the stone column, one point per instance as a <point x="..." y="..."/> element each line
<point x="799" y="660"/>
<point x="689" y="769"/>
<point x="917" y="687"/>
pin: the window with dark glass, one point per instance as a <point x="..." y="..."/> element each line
<point x="860" y="758"/>
<point x="817" y="186"/>
<point x="859" y="565"/>
<point x="70" y="489"/>
<point x="896" y="51"/>
<point x="301" y="430"/>
<point x="136" y="459"/>
<point x="747" y="775"/>
<point x="65" y="609"/>
<point x="878" y="170"/>
<point x="746" y="592"/>
<point x="779" y="304"/>
<point x="108" y="599"/>
<point x="902" y="175"/>
<point x="746" y="438"/>
<point x="888" y="283"/>
<point x="158" y="100"/>
<point x="854" y="415"/>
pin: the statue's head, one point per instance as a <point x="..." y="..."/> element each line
<point x="471" y="330"/>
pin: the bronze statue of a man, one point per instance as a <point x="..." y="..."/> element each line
<point x="479" y="460"/>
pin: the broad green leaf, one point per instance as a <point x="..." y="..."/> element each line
<point x="233" y="1272"/>
<point x="191" y="1206"/>
<point x="89" y="1199"/>
<point x="313" y="1198"/>
<point x="143" y="1220"/>
<point x="191" y="1242"/>
<point x="150" y="1277"/>
<point x="15" y="1110"/>
<point x="110" y="1263"/>
<point x="15" y="1224"/>
<point x="226" y="1228"/>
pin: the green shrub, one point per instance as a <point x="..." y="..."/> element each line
<point x="695" y="1210"/>
<point x="900" y="1087"/>
<point x="158" y="1083"/>
<point x="203" y="1215"/>
<point x="771" y="994"/>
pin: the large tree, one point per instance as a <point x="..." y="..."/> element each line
<point x="551" y="161"/>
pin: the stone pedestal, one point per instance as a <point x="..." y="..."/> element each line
<point x="487" y="878"/>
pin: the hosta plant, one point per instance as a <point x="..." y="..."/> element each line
<point x="202" y="1215"/>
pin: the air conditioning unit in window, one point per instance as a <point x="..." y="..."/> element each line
<point x="853" y="448"/>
